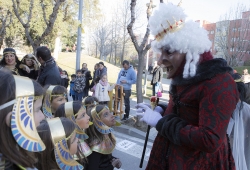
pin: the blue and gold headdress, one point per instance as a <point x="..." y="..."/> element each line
<point x="68" y="107"/>
<point x="23" y="126"/>
<point x="47" y="101"/>
<point x="99" y="125"/>
<point x="63" y="158"/>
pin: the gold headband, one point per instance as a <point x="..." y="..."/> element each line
<point x="25" y="88"/>
<point x="9" y="52"/>
<point x="68" y="107"/>
<point x="57" y="130"/>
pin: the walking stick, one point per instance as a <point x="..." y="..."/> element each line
<point x="153" y="102"/>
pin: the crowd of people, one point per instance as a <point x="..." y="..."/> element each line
<point x="44" y="128"/>
<point x="203" y="126"/>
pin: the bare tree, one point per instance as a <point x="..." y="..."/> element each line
<point x="232" y="36"/>
<point x="102" y="39"/>
<point x="141" y="49"/>
<point x="5" y="21"/>
<point x="25" y="19"/>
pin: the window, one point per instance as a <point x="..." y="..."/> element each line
<point x="212" y="32"/>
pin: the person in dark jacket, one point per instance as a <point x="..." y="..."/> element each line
<point x="156" y="78"/>
<point x="31" y="62"/>
<point x="86" y="73"/>
<point x="192" y="131"/>
<point x="79" y="85"/>
<point x="11" y="62"/>
<point x="72" y="84"/>
<point x="96" y="67"/>
<point x="48" y="73"/>
<point x="102" y="70"/>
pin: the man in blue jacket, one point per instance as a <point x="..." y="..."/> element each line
<point x="49" y="72"/>
<point x="126" y="78"/>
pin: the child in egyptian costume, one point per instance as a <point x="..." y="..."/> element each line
<point x="89" y="101"/>
<point x="55" y="96"/>
<point x="76" y="112"/>
<point x="20" y="103"/>
<point x="59" y="136"/>
<point x="101" y="140"/>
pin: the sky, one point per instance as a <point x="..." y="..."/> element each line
<point x="209" y="10"/>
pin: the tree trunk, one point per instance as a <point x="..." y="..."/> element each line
<point x="115" y="54"/>
<point x="139" y="78"/>
<point x="95" y="49"/>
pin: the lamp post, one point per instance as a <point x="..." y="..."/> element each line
<point x="150" y="7"/>
<point x="79" y="36"/>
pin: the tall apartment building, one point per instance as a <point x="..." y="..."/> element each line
<point x="230" y="39"/>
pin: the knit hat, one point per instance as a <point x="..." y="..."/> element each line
<point x="171" y="31"/>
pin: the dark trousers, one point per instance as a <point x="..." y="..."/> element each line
<point x="79" y="96"/>
<point x="85" y="92"/>
<point x="103" y="102"/>
<point x="73" y="97"/>
<point x="126" y="101"/>
<point x="153" y="89"/>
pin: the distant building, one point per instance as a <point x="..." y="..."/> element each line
<point x="232" y="35"/>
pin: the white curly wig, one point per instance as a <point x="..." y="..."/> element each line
<point x="168" y="25"/>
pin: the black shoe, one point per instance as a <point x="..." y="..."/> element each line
<point x="124" y="118"/>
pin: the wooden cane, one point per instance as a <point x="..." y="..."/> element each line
<point x="155" y="100"/>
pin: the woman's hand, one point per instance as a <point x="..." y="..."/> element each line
<point x="116" y="163"/>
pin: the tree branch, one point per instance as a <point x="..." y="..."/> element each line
<point x="16" y="7"/>
<point x="4" y="21"/>
<point x="52" y="19"/>
<point x="130" y="25"/>
<point x="44" y="12"/>
<point x="145" y="39"/>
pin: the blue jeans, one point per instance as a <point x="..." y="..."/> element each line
<point x="78" y="96"/>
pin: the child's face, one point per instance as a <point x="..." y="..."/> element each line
<point x="56" y="102"/>
<point x="82" y="119"/>
<point x="73" y="78"/>
<point x="63" y="73"/>
<point x="38" y="115"/>
<point x="107" y="118"/>
<point x="28" y="62"/>
<point x="79" y="74"/>
<point x="104" y="78"/>
<point x="73" y="144"/>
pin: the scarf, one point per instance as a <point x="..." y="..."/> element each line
<point x="103" y="83"/>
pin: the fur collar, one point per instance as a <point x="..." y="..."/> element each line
<point x="204" y="71"/>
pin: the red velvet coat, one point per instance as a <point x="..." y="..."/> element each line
<point x="192" y="133"/>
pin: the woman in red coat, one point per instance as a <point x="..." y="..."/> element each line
<point x="203" y="96"/>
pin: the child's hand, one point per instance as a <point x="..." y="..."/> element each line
<point x="116" y="163"/>
<point x="26" y="68"/>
